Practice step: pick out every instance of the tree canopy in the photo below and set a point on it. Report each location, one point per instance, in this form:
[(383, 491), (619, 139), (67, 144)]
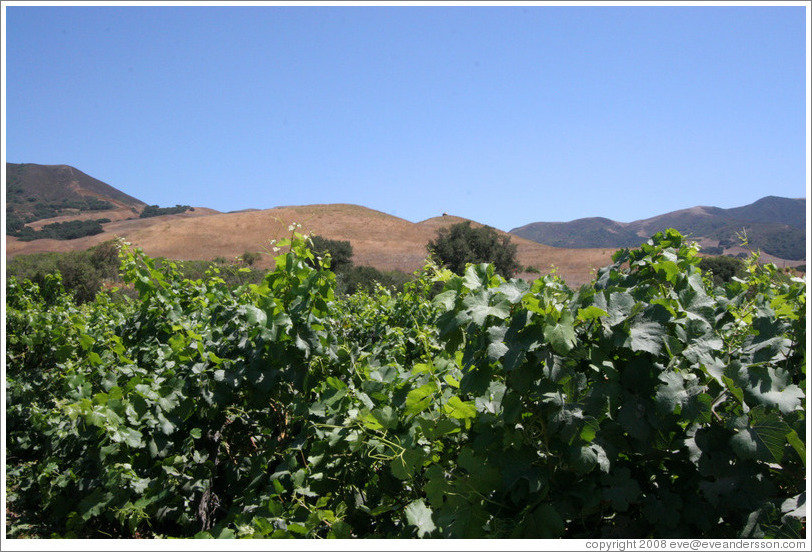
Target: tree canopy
[(460, 244), (340, 253)]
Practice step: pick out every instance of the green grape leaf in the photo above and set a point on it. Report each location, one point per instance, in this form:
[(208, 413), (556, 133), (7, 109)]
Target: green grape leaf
[(437, 486), (770, 387), (764, 439), (386, 416), (797, 444), (94, 503), (671, 393), (417, 400), (404, 465), (586, 458), (620, 305), (542, 523), (418, 515), (479, 308), (561, 335), (459, 409), (620, 489), (130, 436), (447, 299), (591, 313), (466, 521), (646, 336)]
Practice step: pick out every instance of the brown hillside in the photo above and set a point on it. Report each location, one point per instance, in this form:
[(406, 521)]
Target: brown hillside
[(380, 240)]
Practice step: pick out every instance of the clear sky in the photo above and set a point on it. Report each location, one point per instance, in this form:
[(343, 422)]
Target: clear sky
[(504, 114)]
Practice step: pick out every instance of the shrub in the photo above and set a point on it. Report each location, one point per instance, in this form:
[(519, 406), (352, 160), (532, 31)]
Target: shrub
[(250, 257)]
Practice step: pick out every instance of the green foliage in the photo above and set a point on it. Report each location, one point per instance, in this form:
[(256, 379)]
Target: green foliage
[(250, 257), (648, 403), (68, 230), (338, 251), (781, 241), (356, 278), (22, 209), (722, 268), (155, 211), (718, 250), (336, 255), (14, 224), (460, 244), (81, 273)]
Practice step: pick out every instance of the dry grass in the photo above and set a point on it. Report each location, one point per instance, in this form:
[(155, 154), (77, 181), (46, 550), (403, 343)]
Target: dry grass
[(380, 240)]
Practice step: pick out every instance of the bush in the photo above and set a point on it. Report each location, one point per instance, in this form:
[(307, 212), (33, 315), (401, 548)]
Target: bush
[(460, 244), (250, 257)]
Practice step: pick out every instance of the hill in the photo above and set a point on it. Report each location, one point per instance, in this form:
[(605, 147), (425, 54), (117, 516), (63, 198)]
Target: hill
[(36, 192), (775, 225), (380, 240), (62, 202)]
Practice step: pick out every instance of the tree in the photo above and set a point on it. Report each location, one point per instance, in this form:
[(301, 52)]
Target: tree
[(460, 244), (722, 268), (340, 253)]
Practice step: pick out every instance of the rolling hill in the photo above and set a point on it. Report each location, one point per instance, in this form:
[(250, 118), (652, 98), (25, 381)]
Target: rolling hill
[(775, 225), (378, 239)]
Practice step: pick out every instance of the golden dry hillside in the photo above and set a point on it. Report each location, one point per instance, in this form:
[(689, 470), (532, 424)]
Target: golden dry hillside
[(380, 240)]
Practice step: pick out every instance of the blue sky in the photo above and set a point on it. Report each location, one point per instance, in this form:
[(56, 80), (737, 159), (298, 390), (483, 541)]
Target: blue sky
[(506, 115)]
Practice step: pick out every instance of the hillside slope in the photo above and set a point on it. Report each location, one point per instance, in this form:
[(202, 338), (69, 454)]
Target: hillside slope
[(29, 187), (380, 240)]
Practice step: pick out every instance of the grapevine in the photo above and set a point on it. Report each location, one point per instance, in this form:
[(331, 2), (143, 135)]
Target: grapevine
[(648, 403)]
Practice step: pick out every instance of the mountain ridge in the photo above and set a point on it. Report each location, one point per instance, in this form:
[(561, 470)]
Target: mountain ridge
[(773, 224)]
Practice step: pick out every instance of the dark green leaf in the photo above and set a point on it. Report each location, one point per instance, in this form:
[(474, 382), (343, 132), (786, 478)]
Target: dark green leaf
[(542, 523), (646, 336), (764, 439)]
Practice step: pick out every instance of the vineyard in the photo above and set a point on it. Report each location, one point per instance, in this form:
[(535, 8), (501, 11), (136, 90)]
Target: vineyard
[(649, 402)]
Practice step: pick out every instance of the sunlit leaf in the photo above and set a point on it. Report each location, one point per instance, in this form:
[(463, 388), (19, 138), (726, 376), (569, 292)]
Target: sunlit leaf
[(418, 515)]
